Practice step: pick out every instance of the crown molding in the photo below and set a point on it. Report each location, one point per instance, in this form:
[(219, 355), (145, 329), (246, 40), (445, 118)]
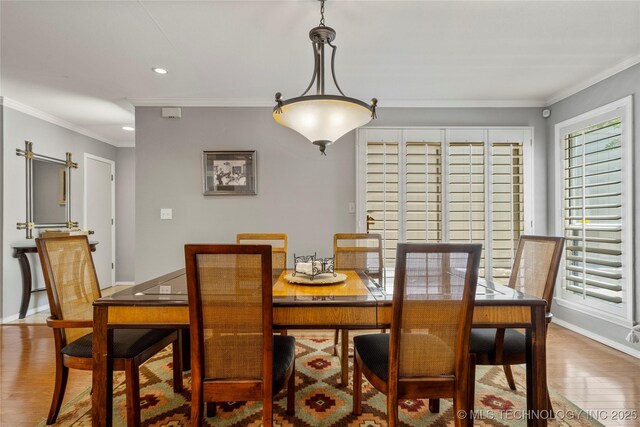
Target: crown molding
[(393, 103), (23, 108), (126, 145), (460, 103), (619, 67), (200, 102)]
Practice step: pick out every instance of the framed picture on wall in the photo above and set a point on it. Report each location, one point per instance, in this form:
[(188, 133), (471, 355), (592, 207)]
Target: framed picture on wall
[(229, 173)]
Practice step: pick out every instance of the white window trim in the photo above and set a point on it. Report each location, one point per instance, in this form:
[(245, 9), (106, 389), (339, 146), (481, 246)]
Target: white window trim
[(623, 315)]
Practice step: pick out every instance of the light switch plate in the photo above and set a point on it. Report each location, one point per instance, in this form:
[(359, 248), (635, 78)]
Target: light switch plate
[(352, 207), (166, 213)]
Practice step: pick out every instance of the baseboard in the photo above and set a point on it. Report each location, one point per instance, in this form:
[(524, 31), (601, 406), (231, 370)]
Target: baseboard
[(29, 313), (124, 284), (596, 337)]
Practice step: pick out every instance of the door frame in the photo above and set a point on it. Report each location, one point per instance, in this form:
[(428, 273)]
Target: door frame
[(112, 163)]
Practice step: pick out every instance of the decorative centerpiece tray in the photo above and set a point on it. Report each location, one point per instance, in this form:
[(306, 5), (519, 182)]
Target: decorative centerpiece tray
[(310, 270), (319, 279)]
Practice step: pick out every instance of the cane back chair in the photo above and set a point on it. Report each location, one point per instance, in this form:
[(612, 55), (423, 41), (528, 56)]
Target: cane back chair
[(427, 353), (534, 272), (234, 354), (278, 242), (72, 286), (354, 251)]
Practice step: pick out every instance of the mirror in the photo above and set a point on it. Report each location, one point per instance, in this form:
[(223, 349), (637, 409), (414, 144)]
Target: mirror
[(48, 190), (49, 195)]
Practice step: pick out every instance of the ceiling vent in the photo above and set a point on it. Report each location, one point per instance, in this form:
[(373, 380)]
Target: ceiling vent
[(171, 112)]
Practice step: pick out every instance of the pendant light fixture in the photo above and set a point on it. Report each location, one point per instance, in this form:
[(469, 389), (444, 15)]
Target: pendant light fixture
[(321, 118)]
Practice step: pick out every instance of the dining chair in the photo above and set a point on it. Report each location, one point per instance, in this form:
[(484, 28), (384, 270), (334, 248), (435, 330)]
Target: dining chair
[(354, 251), (426, 355), (72, 286), (278, 242), (234, 354), (279, 246), (534, 272)]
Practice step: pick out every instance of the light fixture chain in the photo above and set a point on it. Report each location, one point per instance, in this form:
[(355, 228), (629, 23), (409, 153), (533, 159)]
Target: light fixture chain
[(322, 13)]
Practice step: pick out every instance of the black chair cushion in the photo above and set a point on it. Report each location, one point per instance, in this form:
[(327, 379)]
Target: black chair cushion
[(374, 352), (127, 343), (483, 341), (284, 352)]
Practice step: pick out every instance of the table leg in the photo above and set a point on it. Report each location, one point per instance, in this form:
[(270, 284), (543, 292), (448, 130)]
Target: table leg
[(102, 390), (25, 269), (185, 345), (537, 410), (344, 358)]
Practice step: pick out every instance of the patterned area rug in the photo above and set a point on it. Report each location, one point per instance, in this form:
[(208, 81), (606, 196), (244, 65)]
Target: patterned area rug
[(320, 401)]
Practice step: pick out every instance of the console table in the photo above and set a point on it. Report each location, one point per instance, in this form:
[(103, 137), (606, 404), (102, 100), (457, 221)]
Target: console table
[(20, 251)]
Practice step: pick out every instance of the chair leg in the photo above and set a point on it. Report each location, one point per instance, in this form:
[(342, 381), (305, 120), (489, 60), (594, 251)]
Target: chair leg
[(178, 386), (471, 383), (392, 411), (509, 375), (434, 406), (550, 405), (357, 387), (210, 409), (132, 380), (267, 412), (196, 402), (471, 390), (344, 358), (62, 375), (336, 340), (291, 391)]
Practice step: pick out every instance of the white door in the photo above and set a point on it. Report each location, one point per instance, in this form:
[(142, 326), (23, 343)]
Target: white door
[(99, 215)]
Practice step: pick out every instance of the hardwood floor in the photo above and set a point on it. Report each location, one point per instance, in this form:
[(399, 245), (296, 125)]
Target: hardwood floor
[(594, 377), (591, 375)]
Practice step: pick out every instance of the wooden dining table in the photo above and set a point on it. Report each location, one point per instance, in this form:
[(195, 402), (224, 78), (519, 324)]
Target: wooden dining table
[(360, 302)]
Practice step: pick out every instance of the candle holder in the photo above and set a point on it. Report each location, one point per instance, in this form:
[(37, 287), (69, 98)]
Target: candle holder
[(311, 266)]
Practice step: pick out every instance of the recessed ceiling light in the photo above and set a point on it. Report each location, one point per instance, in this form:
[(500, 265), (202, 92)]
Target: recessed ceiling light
[(160, 70), (129, 128)]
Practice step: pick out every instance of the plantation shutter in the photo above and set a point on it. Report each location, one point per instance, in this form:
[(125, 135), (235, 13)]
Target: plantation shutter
[(459, 185), (507, 206), (466, 193), (382, 195), (592, 215), (423, 192)]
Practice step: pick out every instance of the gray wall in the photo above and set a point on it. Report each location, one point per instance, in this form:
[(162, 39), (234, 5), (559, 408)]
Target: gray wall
[(299, 192), (50, 140), (618, 86), (125, 213)]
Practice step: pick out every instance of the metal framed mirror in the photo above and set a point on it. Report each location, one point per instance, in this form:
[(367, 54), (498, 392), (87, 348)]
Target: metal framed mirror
[(48, 191)]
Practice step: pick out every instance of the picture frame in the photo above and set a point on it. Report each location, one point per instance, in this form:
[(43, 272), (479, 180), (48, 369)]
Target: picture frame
[(229, 173)]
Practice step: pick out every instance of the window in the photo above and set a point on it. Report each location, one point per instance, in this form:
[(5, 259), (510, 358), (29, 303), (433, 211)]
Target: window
[(446, 185), (595, 197)]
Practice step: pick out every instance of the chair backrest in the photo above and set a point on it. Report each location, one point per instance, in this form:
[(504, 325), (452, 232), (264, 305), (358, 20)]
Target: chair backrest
[(230, 314), (358, 251), (536, 265), (433, 298), (278, 242), (71, 280)]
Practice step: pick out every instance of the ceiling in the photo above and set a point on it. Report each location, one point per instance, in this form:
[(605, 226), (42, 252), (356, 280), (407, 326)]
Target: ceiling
[(88, 63)]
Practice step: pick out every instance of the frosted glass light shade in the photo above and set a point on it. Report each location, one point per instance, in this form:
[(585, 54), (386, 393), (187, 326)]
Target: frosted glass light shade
[(323, 117)]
